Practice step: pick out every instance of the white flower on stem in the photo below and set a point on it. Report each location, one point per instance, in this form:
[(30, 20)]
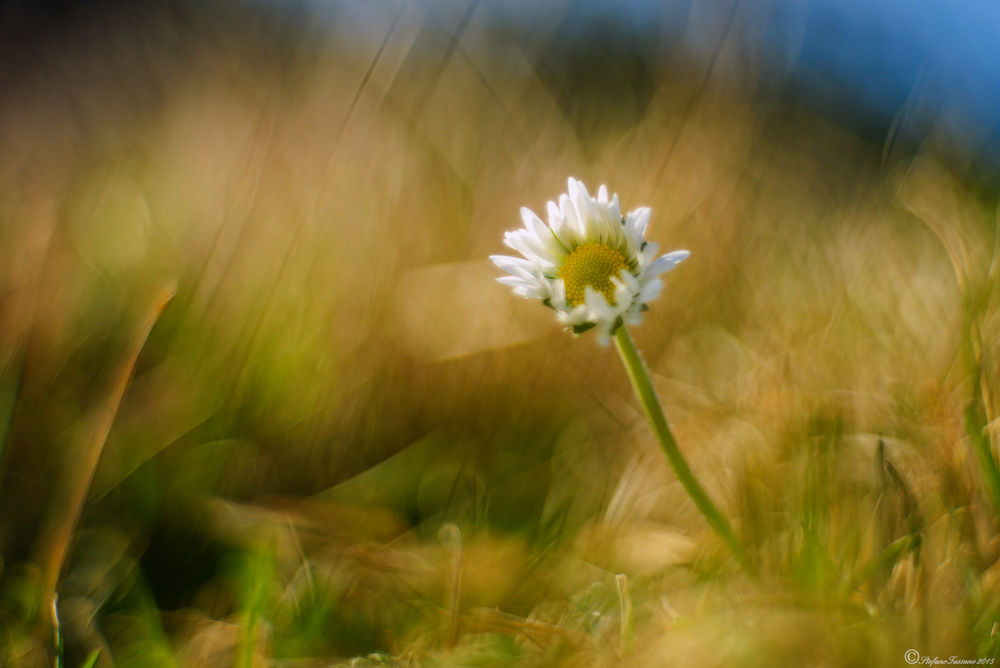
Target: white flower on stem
[(590, 264)]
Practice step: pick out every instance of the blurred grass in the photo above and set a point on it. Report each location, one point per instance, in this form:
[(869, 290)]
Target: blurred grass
[(344, 443)]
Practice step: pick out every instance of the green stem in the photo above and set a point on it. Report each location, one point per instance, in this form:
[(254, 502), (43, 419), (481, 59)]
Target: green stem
[(977, 418), (643, 385)]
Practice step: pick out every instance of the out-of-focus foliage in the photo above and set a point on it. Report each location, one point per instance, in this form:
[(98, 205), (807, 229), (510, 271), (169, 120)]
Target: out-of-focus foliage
[(343, 443)]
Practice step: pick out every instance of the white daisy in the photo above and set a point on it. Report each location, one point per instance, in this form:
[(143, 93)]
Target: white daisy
[(590, 264)]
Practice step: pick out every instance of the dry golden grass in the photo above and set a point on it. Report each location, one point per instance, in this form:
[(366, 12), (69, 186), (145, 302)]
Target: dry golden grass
[(345, 444)]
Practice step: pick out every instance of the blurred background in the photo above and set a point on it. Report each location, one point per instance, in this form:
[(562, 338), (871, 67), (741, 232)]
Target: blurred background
[(340, 442)]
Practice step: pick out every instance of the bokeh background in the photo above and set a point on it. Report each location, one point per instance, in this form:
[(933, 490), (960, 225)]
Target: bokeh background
[(340, 442)]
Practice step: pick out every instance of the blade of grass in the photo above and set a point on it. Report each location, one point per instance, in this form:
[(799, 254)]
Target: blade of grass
[(976, 415), (10, 380), (92, 659), (57, 639), (258, 580), (55, 543), (451, 536), (625, 605), (880, 562)]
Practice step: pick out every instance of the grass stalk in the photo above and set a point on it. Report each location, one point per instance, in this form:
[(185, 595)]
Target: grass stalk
[(976, 415), (625, 605), (57, 639), (55, 545), (451, 536)]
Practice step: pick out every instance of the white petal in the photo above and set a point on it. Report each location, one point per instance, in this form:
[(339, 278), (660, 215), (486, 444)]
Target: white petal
[(543, 233), (528, 245), (579, 315), (553, 210), (610, 221), (523, 288), (558, 291), (650, 291), (515, 265), (648, 254), (632, 317), (626, 277), (575, 316), (530, 237), (518, 282), (514, 241), (576, 188), (623, 298), (638, 221), (597, 306), (583, 204), (667, 262), (568, 212), (529, 217), (604, 334), (563, 233), (602, 193)]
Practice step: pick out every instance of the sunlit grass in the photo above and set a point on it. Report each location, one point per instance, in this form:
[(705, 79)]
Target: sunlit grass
[(345, 444)]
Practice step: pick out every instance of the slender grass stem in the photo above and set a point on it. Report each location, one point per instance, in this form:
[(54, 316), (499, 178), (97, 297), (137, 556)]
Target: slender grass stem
[(57, 639), (451, 536), (643, 386), (55, 543), (627, 635)]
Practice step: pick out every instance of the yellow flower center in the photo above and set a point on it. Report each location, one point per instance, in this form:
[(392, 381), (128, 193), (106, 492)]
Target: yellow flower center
[(591, 264)]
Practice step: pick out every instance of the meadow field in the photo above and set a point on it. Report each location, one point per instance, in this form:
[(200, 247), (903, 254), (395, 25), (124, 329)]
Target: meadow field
[(263, 403)]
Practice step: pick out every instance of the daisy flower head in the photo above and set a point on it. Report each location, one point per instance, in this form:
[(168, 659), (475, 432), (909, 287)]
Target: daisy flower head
[(590, 264)]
